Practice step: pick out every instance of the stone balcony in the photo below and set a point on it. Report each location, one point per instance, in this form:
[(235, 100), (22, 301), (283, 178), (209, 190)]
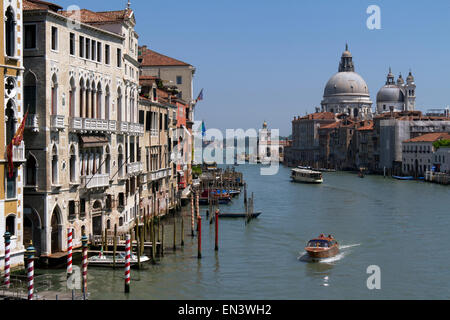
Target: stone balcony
[(85, 125), (159, 174), (95, 181), (18, 153), (57, 122), (32, 122), (135, 168), (135, 129)]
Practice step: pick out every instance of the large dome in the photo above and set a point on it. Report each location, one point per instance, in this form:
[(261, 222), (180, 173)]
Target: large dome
[(390, 93), (346, 83)]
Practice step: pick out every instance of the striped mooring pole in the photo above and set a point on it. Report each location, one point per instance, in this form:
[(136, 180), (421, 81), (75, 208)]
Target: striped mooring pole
[(69, 251), (127, 264), (84, 241), (7, 237), (30, 270), (192, 214)]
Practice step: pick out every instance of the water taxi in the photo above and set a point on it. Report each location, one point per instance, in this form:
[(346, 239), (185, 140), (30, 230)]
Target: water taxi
[(306, 176), (322, 247)]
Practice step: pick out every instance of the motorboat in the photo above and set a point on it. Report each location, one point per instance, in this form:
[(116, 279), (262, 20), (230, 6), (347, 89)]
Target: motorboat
[(322, 247), (306, 176), (106, 260)]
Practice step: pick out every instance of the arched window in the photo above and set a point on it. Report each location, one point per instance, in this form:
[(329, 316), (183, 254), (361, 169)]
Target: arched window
[(87, 92), (107, 161), (54, 95), (31, 171), (107, 99), (93, 94), (83, 230), (119, 105), (11, 224), (29, 92), (120, 162), (10, 32), (72, 165), (72, 90), (99, 101), (10, 121), (54, 165), (82, 89), (120, 221)]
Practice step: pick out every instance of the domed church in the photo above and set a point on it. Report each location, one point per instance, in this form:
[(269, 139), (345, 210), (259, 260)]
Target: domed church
[(397, 97), (347, 92)]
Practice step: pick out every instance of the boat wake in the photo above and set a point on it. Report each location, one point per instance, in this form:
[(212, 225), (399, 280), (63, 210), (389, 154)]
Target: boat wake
[(304, 257)]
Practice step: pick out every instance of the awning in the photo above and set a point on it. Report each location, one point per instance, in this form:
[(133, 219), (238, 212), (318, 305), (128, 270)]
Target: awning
[(93, 141)]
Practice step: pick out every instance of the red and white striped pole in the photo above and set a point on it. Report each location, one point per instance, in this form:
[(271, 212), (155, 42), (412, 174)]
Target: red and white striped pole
[(192, 214), (7, 237), (198, 204), (84, 241), (30, 270), (127, 263), (69, 251)]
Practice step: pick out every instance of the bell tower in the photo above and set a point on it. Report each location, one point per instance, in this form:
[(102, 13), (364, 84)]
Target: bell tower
[(410, 89)]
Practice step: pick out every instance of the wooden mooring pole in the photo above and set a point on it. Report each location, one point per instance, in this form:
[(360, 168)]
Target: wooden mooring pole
[(174, 233), (182, 231), (216, 248), (199, 236), (114, 246)]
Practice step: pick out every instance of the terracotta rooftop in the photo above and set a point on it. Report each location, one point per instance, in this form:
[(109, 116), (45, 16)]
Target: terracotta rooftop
[(317, 116), (153, 58), (29, 5), (91, 17), (430, 137), (366, 125)]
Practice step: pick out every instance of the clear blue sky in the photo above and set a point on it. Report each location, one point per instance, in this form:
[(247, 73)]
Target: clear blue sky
[(270, 60)]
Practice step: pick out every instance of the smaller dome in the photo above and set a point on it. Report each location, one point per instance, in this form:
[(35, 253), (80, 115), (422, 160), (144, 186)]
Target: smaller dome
[(390, 93), (400, 80), (347, 54)]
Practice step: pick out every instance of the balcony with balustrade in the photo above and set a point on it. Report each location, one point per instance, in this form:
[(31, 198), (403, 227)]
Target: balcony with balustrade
[(32, 122), (18, 153), (159, 174), (130, 128), (85, 125), (57, 123), (135, 168), (95, 181)]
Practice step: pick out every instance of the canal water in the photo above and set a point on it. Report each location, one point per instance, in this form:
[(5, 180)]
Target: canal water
[(401, 226)]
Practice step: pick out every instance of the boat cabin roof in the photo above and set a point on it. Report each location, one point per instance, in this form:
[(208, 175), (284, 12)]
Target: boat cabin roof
[(305, 171)]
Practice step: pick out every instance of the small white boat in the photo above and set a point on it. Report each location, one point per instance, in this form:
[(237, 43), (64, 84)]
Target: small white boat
[(106, 260), (306, 176)]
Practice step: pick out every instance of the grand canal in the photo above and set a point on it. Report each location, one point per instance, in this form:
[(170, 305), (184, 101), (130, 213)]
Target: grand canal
[(401, 226)]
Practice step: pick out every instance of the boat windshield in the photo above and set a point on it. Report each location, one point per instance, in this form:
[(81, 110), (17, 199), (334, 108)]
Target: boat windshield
[(318, 244)]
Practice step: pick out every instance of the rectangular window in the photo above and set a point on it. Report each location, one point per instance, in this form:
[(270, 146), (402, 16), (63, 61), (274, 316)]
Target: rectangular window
[(11, 187), (107, 54), (81, 47), (94, 50), (82, 207), (88, 48), (71, 209), (148, 121), (54, 38), (179, 80), (30, 36), (141, 116), (72, 44), (99, 52), (119, 58)]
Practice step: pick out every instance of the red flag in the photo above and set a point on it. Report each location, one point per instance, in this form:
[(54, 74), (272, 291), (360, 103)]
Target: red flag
[(16, 141)]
